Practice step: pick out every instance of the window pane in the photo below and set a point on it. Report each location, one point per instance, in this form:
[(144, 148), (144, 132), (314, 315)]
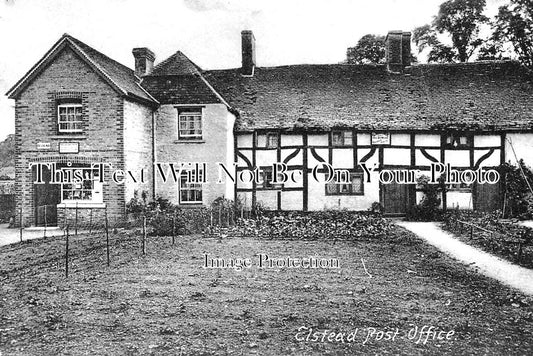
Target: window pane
[(357, 184)]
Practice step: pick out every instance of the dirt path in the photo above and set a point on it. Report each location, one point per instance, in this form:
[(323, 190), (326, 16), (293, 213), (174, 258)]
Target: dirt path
[(485, 263)]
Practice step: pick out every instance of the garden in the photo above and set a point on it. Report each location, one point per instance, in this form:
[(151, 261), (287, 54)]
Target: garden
[(165, 303)]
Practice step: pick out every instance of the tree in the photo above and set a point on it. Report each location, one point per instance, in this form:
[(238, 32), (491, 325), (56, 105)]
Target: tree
[(460, 20), (369, 49), (514, 24)]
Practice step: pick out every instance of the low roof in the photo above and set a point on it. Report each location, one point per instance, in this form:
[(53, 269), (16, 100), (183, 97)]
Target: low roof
[(120, 77), (475, 96), (178, 80)]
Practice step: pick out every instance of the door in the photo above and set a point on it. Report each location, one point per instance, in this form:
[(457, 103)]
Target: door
[(46, 196), (487, 197), (395, 198)]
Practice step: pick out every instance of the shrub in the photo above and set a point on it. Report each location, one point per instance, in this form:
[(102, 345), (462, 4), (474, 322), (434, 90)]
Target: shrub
[(428, 209), (517, 193)]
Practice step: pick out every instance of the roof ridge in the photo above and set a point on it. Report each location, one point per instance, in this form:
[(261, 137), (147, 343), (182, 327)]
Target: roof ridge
[(100, 53)]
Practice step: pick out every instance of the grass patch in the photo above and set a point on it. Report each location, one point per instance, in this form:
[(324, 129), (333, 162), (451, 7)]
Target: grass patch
[(166, 303)]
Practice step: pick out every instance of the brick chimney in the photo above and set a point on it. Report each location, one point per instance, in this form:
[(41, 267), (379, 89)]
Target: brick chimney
[(248, 52), (144, 61), (397, 50)]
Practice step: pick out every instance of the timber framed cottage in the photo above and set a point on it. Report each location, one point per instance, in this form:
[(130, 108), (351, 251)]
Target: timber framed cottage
[(77, 107)]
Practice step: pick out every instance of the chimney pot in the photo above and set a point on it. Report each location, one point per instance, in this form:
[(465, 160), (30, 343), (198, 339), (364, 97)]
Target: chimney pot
[(144, 61), (248, 52)]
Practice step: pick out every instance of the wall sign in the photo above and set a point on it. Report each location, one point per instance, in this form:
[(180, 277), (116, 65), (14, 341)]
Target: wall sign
[(43, 145), (69, 147), (380, 138)]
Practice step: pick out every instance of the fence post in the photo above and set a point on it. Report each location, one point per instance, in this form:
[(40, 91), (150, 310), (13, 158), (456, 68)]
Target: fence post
[(65, 220), (471, 231), (66, 253), (76, 221), (45, 222), (20, 223), (144, 236), (106, 235), (91, 219), (173, 227)]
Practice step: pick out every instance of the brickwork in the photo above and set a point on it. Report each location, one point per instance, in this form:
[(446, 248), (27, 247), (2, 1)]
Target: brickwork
[(68, 77)]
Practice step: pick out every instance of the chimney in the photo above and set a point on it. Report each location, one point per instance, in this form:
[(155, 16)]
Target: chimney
[(144, 61), (397, 50), (248, 53)]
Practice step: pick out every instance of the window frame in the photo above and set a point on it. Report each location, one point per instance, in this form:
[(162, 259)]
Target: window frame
[(350, 191), (96, 186), (273, 135), (456, 137), (267, 184), (193, 188), (190, 112), (67, 105), (344, 142)]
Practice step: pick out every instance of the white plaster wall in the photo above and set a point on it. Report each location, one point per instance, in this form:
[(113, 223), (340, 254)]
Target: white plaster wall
[(291, 140), (342, 158), (421, 160), (427, 140), (397, 156), (457, 158), (244, 140), (400, 139), (268, 198), (487, 140), (317, 139), (492, 160), (363, 139), (292, 201), (296, 160)]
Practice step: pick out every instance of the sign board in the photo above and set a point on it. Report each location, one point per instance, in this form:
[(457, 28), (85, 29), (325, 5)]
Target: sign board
[(380, 138), (69, 147), (43, 145)]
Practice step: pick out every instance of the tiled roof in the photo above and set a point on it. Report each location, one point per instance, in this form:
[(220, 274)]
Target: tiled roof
[(123, 76), (179, 89), (481, 95), (177, 80), (120, 77), (177, 64)]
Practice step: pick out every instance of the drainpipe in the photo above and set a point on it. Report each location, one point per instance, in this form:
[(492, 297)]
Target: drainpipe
[(154, 158)]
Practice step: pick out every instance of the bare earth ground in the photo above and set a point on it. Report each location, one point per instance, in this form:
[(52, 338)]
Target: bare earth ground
[(166, 303)]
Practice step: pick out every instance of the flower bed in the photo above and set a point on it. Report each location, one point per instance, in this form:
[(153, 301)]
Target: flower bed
[(487, 231), (312, 226)]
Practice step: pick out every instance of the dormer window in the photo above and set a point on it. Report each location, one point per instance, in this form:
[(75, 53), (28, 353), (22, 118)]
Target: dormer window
[(69, 117), (342, 138), (190, 124)]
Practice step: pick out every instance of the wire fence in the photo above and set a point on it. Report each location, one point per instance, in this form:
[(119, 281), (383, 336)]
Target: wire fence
[(71, 232), (78, 232)]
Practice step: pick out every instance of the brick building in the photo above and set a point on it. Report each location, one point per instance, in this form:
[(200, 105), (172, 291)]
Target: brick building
[(77, 107)]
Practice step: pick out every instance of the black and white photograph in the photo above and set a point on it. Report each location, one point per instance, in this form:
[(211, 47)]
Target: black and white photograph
[(266, 177)]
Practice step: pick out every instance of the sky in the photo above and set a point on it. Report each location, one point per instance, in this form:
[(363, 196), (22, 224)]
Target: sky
[(207, 31)]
